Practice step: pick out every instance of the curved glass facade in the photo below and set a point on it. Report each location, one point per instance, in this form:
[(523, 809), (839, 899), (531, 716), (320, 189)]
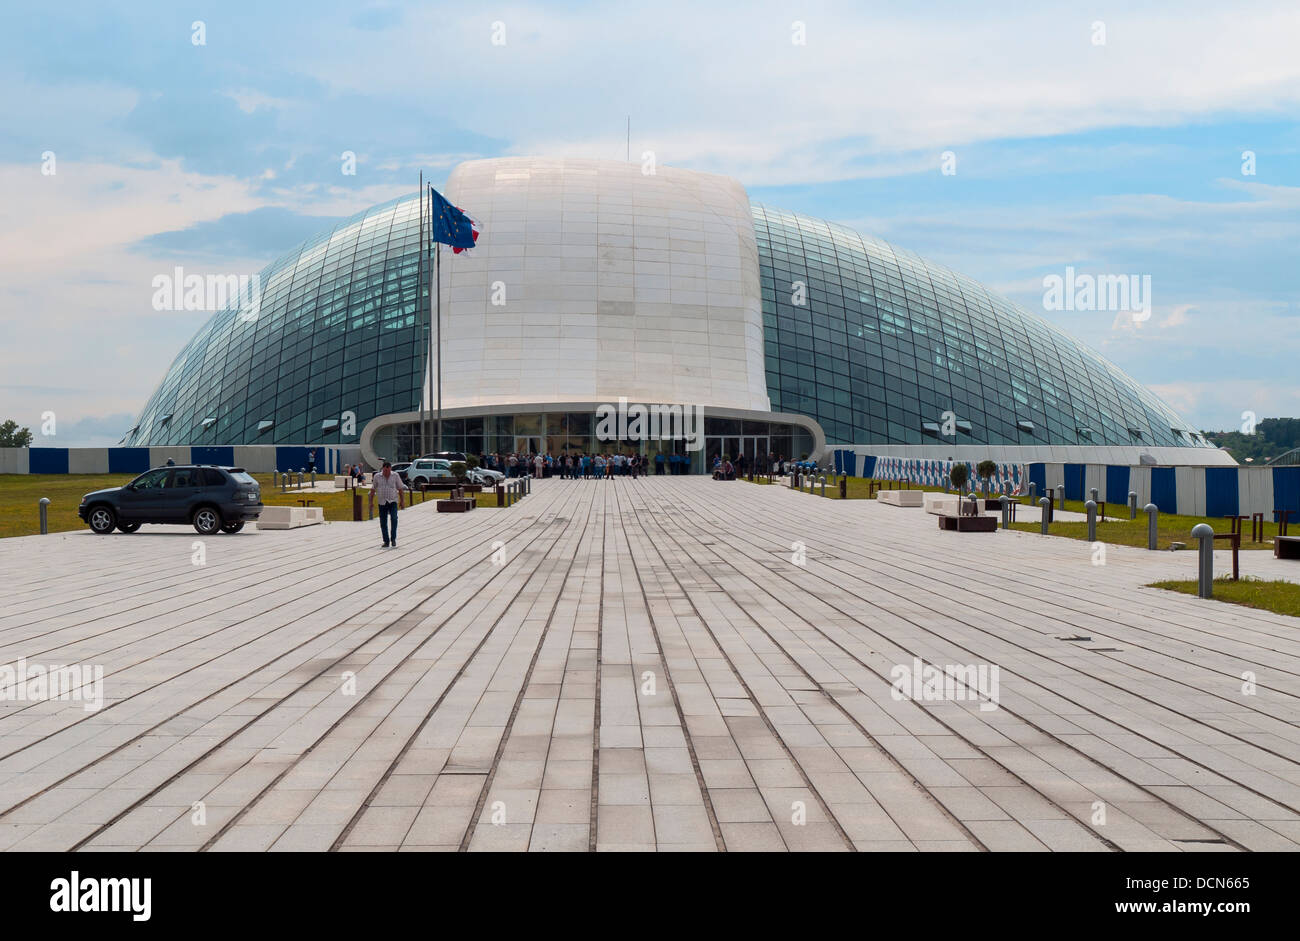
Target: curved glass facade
[(336, 332), (881, 346), (886, 342)]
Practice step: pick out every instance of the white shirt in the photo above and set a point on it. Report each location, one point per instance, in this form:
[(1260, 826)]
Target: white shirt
[(386, 489)]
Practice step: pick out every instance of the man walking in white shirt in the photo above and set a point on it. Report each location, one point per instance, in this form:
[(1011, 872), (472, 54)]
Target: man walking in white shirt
[(389, 489)]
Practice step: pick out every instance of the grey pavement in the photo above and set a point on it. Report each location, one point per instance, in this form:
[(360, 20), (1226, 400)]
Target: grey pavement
[(659, 664)]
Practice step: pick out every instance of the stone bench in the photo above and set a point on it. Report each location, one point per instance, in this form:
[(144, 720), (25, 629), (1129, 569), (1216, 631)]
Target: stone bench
[(457, 505), (968, 524), (1286, 547), (940, 504), (289, 517), (900, 497)]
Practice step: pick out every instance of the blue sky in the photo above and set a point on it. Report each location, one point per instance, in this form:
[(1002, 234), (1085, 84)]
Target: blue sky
[(1116, 158)]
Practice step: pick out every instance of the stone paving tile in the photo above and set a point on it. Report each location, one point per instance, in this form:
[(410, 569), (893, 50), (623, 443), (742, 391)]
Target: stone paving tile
[(647, 671)]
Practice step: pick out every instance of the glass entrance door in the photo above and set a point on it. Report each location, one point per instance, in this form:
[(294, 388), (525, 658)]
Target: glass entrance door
[(755, 448), (530, 444)]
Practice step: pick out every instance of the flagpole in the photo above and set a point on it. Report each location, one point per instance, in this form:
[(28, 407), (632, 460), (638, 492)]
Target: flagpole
[(437, 274), (419, 289)]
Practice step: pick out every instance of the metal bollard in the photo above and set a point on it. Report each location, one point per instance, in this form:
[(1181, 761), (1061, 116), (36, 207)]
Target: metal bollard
[(1091, 507), (1046, 504), (313, 480), (822, 480), (1005, 502), (299, 480), (1093, 494), (844, 487), (1153, 523), (1205, 533), (1061, 490), (1132, 505), (45, 519), (1033, 492)]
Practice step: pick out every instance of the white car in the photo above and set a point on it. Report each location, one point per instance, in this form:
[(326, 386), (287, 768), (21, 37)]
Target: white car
[(485, 476), (429, 470)]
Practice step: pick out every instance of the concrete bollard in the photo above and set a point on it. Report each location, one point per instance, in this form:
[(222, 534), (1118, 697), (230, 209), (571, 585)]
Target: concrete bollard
[(1005, 502), (45, 516), (1153, 524), (1132, 505), (1046, 504), (1205, 533), (1091, 507)]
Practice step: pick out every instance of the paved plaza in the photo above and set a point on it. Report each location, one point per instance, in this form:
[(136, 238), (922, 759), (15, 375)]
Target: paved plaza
[(665, 663)]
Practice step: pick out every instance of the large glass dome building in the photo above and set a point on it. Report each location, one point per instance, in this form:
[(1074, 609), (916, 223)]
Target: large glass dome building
[(593, 282)]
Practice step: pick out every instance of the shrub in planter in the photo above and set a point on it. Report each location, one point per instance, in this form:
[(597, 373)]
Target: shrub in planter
[(958, 476), (986, 470), (458, 470)]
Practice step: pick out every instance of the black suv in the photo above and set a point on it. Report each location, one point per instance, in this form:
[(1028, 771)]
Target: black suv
[(213, 499)]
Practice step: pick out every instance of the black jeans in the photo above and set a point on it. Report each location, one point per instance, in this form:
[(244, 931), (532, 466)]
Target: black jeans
[(387, 510)]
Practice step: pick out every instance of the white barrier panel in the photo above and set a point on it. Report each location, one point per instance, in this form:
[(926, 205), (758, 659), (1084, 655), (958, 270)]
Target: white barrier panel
[(87, 460), (14, 460)]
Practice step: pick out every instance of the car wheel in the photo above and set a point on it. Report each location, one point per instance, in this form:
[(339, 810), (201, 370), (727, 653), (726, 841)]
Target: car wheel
[(127, 527), (102, 519), (233, 527), (207, 520)]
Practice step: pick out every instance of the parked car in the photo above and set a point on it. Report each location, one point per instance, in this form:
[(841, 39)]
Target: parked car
[(484, 476), (400, 469), (211, 499), (448, 456), (427, 470)]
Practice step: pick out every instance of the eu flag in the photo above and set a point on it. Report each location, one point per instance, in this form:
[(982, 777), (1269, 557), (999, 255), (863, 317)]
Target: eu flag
[(449, 225)]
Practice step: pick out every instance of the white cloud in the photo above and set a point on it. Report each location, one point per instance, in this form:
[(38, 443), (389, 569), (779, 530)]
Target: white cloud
[(250, 100), (721, 87)]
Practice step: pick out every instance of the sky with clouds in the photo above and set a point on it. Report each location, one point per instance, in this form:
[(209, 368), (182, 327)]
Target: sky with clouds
[(1115, 157)]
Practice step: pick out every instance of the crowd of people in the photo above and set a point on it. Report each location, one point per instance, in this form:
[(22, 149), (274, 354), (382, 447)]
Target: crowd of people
[(723, 468), (582, 466)]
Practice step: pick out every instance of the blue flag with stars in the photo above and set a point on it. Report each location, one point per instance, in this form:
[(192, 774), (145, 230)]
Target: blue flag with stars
[(449, 225)]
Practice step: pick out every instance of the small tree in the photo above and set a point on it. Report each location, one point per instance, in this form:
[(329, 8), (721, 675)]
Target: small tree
[(11, 436), (986, 470), (958, 476), (458, 470)]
